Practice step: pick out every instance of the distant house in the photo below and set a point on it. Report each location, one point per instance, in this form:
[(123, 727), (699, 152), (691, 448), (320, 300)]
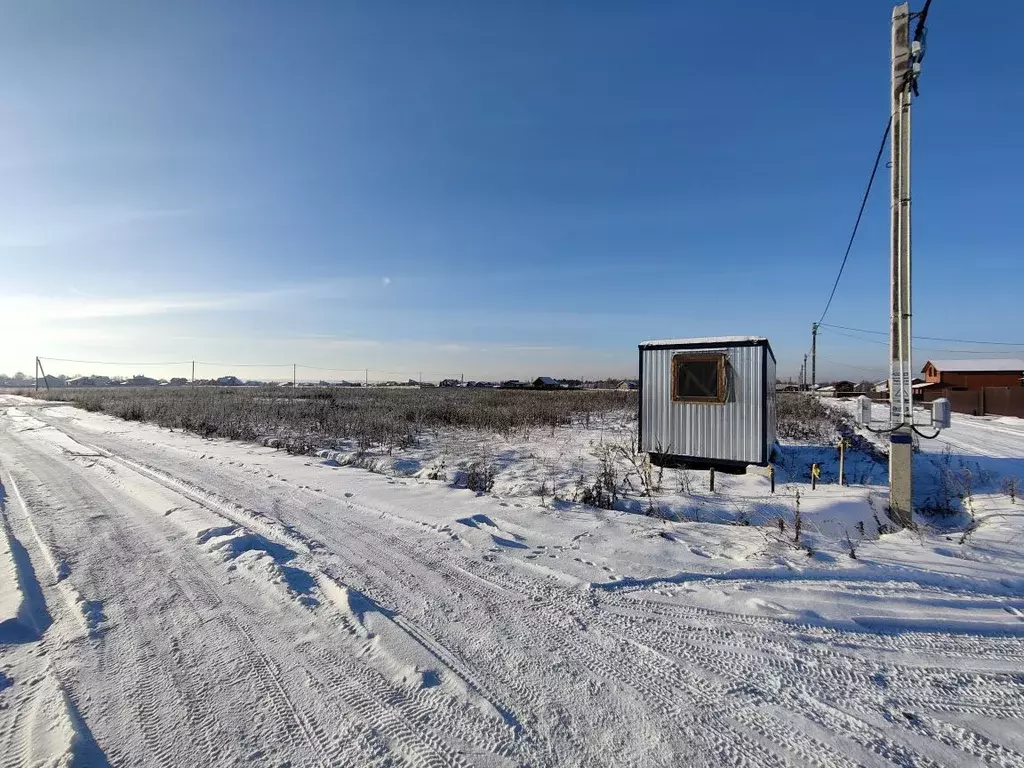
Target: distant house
[(89, 381), (975, 374), (546, 382), (449, 382), (140, 381), (882, 387), (628, 386), (228, 381), (177, 381), (510, 384)]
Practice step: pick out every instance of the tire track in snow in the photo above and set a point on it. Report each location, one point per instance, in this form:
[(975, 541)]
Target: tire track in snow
[(143, 676), (246, 518), (43, 724), (144, 682), (834, 684), (432, 752), (712, 654), (631, 673), (390, 726), (991, 693), (385, 546), (555, 625), (1008, 649), (865, 734)]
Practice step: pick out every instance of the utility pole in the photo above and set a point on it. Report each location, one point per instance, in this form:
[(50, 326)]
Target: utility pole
[(193, 373), (901, 406), (39, 366), (366, 377), (814, 355), (295, 381), (803, 374)]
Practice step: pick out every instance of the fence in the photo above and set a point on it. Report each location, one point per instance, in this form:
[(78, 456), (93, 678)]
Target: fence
[(994, 401)]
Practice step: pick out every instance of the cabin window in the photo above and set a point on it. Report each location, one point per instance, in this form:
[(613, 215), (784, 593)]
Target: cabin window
[(698, 378)]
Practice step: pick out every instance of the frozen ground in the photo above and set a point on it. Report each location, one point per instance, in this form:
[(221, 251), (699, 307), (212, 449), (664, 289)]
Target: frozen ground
[(168, 600)]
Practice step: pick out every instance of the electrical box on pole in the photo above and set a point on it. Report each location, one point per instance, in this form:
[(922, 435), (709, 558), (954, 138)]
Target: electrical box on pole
[(862, 410)]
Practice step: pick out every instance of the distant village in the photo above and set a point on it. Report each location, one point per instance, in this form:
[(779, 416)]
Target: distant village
[(541, 382)]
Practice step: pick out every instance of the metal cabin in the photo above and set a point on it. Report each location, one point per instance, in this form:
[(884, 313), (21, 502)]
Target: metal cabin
[(708, 401)]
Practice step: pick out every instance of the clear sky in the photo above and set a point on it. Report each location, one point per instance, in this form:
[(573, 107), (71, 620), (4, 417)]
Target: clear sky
[(491, 188)]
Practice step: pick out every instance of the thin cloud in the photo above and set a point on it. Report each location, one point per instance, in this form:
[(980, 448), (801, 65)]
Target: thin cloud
[(69, 226), (85, 308)]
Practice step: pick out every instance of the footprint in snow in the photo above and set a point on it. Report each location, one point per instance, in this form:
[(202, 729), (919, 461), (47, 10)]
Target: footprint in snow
[(349, 495)]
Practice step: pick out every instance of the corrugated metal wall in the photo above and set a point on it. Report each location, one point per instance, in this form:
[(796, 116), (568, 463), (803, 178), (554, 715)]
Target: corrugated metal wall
[(730, 431)]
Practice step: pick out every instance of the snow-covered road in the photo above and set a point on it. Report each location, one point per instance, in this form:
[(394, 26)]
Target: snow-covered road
[(168, 601)]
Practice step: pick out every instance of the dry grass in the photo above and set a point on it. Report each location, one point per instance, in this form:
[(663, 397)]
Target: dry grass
[(803, 417), (307, 419)]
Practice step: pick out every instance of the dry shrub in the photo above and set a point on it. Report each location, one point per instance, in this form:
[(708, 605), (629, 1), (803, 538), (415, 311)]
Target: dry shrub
[(800, 416), (310, 418)]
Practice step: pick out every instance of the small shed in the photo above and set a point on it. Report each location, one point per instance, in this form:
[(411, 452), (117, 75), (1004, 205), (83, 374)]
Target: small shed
[(707, 400)]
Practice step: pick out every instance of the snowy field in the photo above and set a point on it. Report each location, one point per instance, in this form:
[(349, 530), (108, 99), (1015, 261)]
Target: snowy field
[(168, 600)]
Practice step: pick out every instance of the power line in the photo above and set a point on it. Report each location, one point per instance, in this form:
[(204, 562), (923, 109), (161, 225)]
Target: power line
[(245, 365), (929, 338), (332, 370), (109, 362), (209, 363), (847, 365), (860, 214), (916, 348)]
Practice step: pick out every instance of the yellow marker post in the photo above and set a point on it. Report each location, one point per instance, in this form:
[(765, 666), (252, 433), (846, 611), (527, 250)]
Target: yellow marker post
[(815, 474)]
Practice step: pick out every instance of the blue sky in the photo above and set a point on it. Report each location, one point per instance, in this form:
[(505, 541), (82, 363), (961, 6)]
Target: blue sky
[(495, 189)]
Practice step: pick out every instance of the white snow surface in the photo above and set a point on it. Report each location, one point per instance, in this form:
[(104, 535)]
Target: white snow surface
[(169, 600), (703, 340)]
